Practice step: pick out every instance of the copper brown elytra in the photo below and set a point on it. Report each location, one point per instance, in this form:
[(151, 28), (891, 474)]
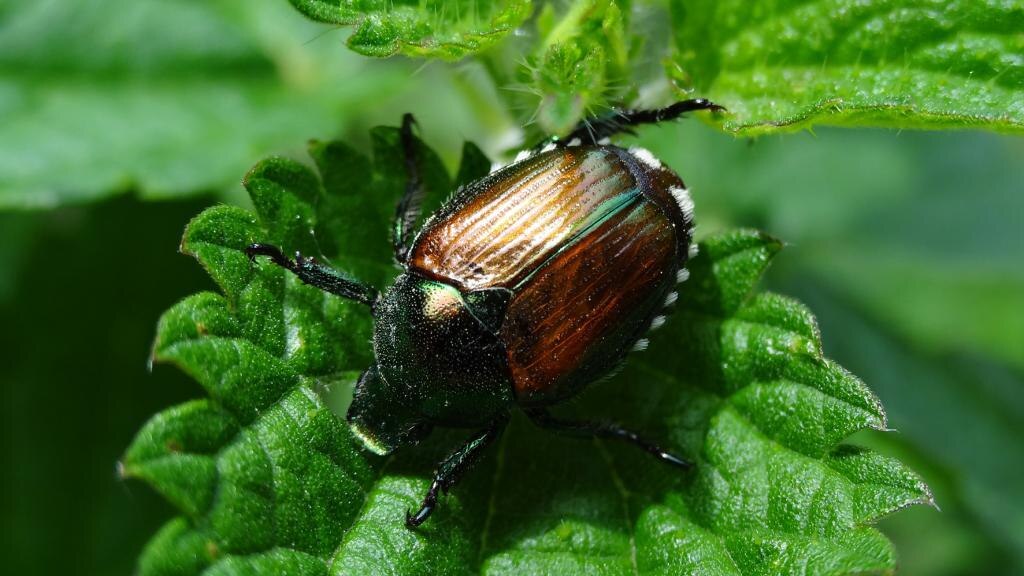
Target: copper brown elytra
[(525, 287)]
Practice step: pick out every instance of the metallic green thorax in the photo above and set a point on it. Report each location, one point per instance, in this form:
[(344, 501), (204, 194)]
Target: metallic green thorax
[(437, 363)]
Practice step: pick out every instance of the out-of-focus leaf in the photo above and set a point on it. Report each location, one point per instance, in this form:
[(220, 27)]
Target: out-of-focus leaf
[(925, 230), (18, 234), (97, 276), (267, 479), (942, 266), (802, 187), (581, 63), (789, 64), (942, 304), (164, 98), (437, 29), (576, 60)]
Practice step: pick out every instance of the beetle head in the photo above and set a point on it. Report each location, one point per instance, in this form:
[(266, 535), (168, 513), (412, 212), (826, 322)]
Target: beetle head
[(436, 362), (380, 419)]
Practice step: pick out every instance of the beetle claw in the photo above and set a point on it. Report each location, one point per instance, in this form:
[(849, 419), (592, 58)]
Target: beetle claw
[(412, 521), (251, 252), (713, 107), (258, 249)]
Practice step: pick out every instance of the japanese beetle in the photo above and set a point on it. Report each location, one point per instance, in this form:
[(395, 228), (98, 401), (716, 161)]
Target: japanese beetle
[(525, 287)]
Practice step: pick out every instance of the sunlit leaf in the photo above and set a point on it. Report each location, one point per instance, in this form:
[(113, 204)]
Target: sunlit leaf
[(165, 99), (790, 64), (448, 30), (268, 479)]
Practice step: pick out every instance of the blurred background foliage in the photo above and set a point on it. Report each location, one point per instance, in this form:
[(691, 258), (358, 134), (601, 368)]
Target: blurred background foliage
[(909, 246)]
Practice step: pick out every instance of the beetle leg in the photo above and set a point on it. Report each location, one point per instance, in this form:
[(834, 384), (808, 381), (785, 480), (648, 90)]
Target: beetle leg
[(452, 468), (544, 419), (315, 274), (408, 209), (593, 130)]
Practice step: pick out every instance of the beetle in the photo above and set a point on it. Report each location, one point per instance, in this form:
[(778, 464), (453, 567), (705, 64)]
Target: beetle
[(525, 287)]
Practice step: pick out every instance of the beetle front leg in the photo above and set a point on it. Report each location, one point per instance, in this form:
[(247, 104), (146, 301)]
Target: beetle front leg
[(594, 130), (408, 209), (315, 274), (452, 468), (579, 429)]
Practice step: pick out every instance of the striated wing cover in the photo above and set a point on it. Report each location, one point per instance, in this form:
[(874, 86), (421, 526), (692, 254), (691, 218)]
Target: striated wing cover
[(583, 311), (588, 255), (503, 227)]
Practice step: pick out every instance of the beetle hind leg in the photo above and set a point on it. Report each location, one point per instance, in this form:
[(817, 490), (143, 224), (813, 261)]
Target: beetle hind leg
[(584, 429), (594, 130), (452, 468)]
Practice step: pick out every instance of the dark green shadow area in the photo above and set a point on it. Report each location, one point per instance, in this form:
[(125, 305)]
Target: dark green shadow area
[(80, 295)]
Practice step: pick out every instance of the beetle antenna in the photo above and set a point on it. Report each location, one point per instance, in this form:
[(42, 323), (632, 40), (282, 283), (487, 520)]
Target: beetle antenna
[(315, 274)]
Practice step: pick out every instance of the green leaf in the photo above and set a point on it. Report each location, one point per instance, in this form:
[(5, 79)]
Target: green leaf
[(933, 214), (925, 392), (910, 262), (268, 479), (956, 305), (790, 64), (964, 283), (582, 55), (166, 99), (448, 30)]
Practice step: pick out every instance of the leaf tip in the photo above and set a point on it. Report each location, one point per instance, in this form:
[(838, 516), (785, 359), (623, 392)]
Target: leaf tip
[(925, 498), (183, 243), (261, 168), (772, 244)]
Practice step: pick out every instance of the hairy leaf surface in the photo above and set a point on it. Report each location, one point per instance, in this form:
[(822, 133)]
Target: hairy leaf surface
[(448, 30), (268, 479), (789, 64)]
